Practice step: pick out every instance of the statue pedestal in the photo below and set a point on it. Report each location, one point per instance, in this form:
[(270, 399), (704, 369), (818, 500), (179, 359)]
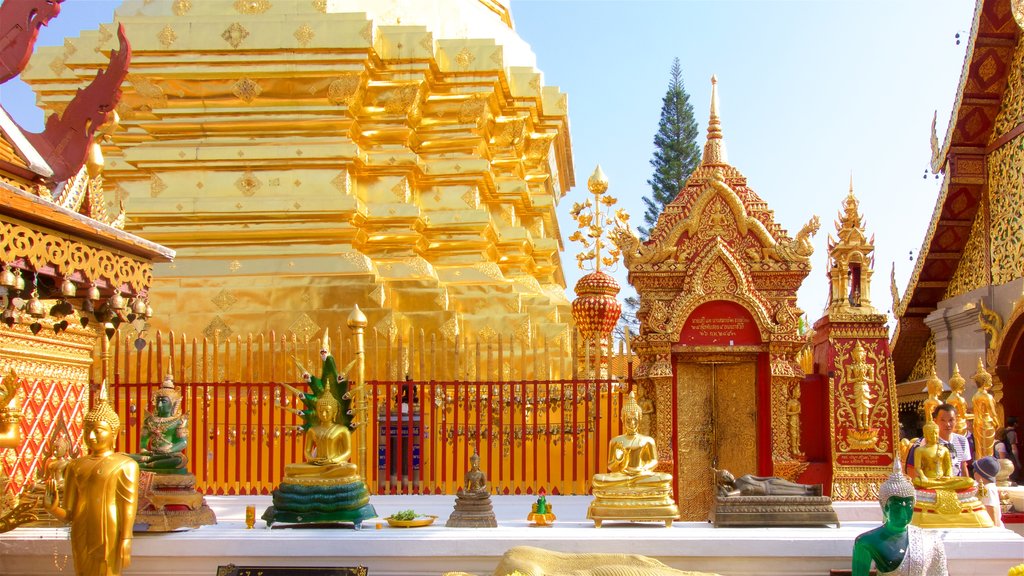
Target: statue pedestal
[(308, 504), (169, 502), (631, 505), (943, 508), (773, 511), (472, 510)]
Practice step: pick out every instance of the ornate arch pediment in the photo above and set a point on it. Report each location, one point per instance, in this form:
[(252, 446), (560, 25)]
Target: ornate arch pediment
[(718, 276), (716, 187)]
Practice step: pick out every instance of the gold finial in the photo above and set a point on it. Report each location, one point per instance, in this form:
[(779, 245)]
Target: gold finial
[(598, 182), (595, 222), (325, 342), (103, 412), (356, 318), (714, 148), (851, 182)]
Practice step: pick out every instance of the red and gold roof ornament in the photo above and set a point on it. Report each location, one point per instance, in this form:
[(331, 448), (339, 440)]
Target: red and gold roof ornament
[(596, 308)]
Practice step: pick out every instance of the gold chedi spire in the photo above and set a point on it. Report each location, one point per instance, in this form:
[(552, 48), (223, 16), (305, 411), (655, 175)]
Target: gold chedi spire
[(714, 148)]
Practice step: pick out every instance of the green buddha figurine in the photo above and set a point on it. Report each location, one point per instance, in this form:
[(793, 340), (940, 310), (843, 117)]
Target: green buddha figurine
[(897, 548), (164, 433), (326, 487)]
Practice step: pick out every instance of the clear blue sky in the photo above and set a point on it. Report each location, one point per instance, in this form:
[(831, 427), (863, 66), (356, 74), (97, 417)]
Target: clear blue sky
[(810, 91)]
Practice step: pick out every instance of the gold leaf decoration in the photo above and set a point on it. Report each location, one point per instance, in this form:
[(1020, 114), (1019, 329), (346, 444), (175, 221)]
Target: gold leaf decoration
[(304, 34), (248, 183), (167, 36), (464, 58), (156, 186), (235, 34), (342, 89), (246, 90), (181, 7), (252, 6)]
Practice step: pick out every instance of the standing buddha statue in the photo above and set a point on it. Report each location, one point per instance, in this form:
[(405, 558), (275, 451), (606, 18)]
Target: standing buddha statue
[(956, 398), (896, 547), (632, 489), (933, 386), (986, 420), (793, 415), (100, 497)]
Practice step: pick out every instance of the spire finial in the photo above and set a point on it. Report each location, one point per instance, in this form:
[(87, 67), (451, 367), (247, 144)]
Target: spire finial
[(714, 148), (851, 182)]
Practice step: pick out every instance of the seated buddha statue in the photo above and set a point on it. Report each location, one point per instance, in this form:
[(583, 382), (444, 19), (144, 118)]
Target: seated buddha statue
[(327, 447), (476, 480), (164, 433), (632, 489), (933, 465), (898, 548), (632, 456)]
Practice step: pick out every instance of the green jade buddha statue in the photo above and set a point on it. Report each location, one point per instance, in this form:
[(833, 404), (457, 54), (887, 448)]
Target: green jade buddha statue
[(897, 548), (164, 433)]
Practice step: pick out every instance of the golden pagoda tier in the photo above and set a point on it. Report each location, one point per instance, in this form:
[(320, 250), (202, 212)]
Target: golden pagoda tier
[(405, 156)]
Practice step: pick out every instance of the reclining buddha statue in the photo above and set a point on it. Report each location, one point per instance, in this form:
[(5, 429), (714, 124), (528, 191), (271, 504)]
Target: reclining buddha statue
[(632, 489)]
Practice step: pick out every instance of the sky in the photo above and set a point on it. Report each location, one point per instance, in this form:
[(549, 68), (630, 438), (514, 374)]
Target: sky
[(810, 93)]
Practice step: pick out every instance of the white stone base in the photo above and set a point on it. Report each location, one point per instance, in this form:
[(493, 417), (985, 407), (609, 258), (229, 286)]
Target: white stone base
[(436, 549)]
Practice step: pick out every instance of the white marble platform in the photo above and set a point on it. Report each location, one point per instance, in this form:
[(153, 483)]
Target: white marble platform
[(436, 549)]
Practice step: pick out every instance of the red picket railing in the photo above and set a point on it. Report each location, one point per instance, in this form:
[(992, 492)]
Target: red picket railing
[(531, 435)]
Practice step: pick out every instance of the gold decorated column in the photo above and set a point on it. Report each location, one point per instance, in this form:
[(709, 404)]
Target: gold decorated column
[(357, 323)]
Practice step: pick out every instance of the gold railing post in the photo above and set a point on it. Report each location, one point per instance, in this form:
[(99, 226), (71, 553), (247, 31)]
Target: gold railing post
[(357, 323)]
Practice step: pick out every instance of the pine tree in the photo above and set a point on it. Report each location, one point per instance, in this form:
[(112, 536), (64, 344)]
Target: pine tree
[(676, 154)]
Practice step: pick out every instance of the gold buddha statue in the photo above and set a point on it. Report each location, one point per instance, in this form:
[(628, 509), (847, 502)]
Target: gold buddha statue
[(933, 386), (862, 376), (632, 490), (944, 500), (327, 448), (100, 497), (933, 465), (986, 420), (957, 383)]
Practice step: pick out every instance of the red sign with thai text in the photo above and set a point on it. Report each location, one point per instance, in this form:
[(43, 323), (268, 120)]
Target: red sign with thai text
[(720, 323)]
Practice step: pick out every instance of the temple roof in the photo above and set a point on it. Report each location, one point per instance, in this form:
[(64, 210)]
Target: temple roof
[(969, 138)]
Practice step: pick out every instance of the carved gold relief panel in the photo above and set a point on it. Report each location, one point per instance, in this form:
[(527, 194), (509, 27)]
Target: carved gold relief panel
[(972, 272)]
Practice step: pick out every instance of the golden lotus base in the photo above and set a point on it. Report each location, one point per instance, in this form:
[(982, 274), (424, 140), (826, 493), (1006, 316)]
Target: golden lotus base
[(942, 508), (660, 510), (170, 502)]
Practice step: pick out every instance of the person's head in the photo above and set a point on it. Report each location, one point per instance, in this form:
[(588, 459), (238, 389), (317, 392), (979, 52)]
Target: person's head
[(986, 469), (1011, 421), (945, 416)]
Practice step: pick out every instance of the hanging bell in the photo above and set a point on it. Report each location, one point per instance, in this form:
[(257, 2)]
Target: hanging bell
[(35, 307), (93, 293), (19, 281), (7, 278), (149, 311), (139, 307), (116, 302), (68, 288)]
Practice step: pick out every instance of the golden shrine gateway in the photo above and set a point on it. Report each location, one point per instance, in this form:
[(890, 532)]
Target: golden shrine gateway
[(733, 378)]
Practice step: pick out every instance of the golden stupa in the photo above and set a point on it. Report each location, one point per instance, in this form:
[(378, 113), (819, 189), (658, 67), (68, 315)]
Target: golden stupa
[(303, 156)]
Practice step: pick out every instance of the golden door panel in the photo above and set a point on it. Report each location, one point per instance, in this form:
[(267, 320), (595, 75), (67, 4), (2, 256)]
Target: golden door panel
[(708, 394)]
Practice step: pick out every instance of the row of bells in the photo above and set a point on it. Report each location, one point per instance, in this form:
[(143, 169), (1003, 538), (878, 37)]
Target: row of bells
[(14, 282)]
